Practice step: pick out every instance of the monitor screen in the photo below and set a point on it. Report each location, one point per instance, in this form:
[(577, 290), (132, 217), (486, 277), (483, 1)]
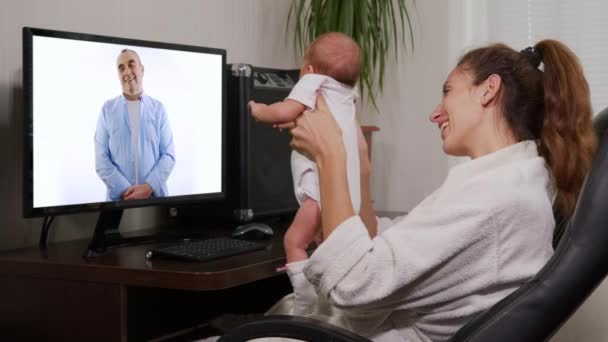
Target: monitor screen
[(113, 122)]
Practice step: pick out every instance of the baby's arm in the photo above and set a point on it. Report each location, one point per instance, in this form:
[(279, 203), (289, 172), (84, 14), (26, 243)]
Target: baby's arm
[(278, 112)]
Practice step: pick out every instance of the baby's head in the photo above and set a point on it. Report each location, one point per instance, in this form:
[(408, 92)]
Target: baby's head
[(336, 55)]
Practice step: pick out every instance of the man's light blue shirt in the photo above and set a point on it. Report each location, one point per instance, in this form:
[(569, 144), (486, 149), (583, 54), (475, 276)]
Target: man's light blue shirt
[(114, 160)]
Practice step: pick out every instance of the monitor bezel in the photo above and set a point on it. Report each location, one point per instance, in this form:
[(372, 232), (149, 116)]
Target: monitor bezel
[(29, 210)]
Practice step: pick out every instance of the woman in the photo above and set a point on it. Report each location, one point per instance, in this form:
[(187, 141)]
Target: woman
[(483, 233)]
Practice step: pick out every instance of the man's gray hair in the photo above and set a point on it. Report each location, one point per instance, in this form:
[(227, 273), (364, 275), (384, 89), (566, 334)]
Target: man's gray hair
[(133, 51)]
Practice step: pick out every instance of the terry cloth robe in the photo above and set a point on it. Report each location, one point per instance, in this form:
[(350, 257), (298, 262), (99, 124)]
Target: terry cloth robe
[(480, 236)]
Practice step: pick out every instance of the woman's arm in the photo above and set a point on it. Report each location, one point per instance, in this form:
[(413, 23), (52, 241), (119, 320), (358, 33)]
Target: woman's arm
[(366, 212), (318, 136)]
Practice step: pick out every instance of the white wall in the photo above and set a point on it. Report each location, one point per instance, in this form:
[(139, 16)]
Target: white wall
[(408, 162), (407, 159)]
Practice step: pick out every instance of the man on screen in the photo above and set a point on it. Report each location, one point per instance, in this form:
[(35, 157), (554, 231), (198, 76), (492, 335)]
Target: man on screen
[(134, 152)]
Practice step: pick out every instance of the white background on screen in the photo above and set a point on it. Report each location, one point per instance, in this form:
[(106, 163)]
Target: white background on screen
[(72, 80)]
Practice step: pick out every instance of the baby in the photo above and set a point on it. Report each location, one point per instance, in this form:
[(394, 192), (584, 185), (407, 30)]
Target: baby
[(330, 68)]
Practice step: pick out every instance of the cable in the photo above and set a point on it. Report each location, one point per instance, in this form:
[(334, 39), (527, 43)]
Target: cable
[(44, 232)]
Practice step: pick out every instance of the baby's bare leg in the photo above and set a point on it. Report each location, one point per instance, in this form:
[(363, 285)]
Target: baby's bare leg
[(303, 230)]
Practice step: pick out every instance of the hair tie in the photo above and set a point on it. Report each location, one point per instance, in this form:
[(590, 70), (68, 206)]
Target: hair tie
[(533, 55)]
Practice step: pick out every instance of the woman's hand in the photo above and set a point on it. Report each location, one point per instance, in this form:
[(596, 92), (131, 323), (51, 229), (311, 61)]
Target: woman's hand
[(287, 125), (317, 134)]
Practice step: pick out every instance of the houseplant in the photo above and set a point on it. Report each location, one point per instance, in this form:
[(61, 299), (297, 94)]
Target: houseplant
[(374, 24)]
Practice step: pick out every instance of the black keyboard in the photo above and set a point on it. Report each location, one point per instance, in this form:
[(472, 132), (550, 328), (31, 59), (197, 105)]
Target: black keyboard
[(206, 249)]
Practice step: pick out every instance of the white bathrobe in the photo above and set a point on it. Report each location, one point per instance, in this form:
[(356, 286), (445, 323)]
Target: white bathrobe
[(480, 236)]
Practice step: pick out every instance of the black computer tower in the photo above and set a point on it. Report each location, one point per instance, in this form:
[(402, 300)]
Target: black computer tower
[(259, 183), (259, 174)]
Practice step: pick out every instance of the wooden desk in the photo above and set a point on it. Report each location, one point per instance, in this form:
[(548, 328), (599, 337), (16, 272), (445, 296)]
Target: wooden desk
[(58, 295)]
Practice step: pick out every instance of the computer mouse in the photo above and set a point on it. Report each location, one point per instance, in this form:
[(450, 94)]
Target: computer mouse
[(253, 231)]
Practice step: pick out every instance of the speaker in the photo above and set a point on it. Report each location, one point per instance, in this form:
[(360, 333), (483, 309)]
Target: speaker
[(259, 173)]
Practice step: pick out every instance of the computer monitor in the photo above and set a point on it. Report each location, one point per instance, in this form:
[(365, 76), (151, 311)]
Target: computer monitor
[(93, 142)]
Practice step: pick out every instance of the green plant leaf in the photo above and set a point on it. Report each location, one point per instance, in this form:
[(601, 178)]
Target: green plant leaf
[(373, 25)]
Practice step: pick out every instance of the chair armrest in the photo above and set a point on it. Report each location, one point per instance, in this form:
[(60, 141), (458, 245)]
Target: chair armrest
[(301, 328)]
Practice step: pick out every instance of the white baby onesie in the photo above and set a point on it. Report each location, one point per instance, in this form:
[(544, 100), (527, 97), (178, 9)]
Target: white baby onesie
[(340, 99)]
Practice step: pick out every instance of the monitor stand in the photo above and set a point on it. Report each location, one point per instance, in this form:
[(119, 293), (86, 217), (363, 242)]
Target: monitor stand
[(107, 234)]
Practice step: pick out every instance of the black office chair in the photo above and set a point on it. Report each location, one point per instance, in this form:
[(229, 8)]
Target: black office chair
[(532, 313)]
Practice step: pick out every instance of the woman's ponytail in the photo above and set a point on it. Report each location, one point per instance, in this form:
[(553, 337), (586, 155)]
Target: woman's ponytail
[(567, 139)]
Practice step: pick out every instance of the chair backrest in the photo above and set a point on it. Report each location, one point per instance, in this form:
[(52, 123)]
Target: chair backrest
[(537, 310)]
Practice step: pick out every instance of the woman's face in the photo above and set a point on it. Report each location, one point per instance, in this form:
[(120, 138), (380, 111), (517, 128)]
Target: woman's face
[(459, 115)]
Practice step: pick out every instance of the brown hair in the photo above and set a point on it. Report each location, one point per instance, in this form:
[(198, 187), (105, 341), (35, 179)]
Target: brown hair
[(336, 55), (551, 106)]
